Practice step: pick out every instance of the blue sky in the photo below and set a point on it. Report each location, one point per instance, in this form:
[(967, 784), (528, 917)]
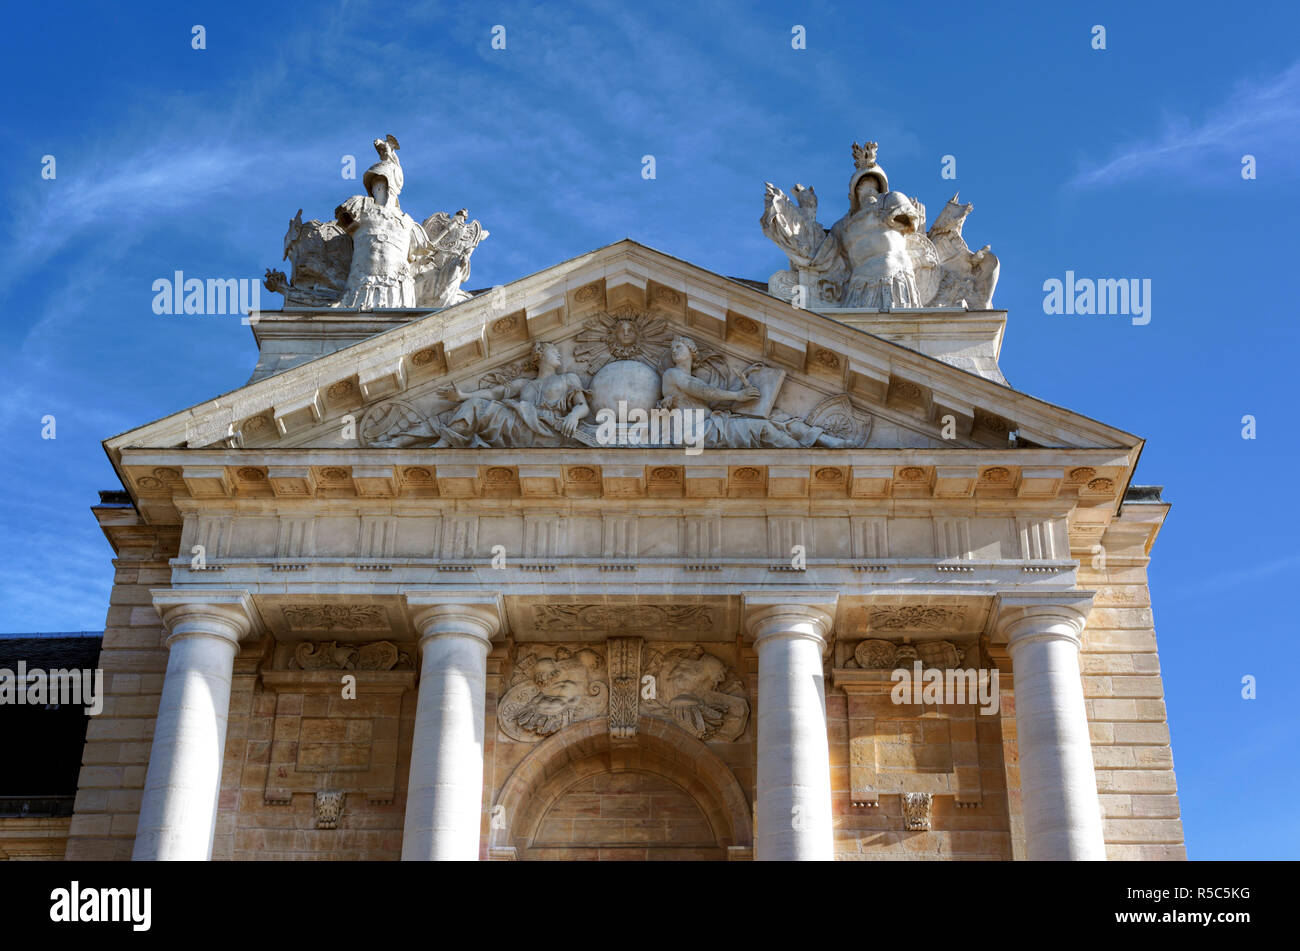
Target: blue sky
[(1123, 162)]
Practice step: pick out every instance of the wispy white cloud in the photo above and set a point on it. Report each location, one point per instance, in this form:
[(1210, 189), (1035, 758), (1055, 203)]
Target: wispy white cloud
[(1260, 114), (1241, 578)]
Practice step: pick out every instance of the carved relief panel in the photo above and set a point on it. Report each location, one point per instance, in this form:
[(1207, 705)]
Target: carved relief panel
[(917, 749), (327, 741), (552, 686), (698, 691)]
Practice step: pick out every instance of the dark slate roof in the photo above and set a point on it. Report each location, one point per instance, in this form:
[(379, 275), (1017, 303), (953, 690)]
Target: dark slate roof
[(51, 651), (41, 755)]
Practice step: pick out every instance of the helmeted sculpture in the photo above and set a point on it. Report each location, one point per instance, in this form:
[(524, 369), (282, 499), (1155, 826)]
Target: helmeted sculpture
[(373, 255), (878, 256), (385, 240)]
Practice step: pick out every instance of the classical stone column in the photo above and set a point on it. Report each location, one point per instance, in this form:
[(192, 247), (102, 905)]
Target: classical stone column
[(1058, 785), (794, 775), (444, 797), (178, 810)]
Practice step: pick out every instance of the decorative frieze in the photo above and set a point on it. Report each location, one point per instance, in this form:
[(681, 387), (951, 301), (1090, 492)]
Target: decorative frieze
[(875, 654), (920, 617), (577, 617), (331, 655), (553, 686), (335, 617)]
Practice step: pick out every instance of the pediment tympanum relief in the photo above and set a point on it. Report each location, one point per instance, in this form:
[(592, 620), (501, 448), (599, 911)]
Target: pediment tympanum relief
[(628, 378)]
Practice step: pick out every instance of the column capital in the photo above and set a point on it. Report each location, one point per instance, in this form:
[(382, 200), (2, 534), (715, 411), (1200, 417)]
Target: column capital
[(808, 614), (458, 613), (1024, 616), (227, 614)]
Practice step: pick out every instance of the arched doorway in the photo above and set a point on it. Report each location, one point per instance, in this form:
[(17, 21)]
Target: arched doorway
[(663, 795)]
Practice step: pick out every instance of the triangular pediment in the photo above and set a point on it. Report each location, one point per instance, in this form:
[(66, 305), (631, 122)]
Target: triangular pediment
[(624, 303), (822, 385)]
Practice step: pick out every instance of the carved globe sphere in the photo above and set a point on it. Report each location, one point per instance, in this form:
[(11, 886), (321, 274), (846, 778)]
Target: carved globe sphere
[(628, 381)]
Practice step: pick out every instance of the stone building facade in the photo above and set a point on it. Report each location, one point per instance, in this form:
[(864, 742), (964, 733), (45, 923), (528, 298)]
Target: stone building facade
[(322, 644), (628, 560)]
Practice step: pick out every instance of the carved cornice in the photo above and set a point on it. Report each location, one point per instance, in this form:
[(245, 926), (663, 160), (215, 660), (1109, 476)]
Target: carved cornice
[(307, 475)]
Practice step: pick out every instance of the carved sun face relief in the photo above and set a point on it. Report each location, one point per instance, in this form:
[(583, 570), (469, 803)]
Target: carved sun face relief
[(624, 334)]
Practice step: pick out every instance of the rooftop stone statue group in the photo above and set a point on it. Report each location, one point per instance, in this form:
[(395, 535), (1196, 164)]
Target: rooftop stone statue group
[(373, 255), (878, 256)]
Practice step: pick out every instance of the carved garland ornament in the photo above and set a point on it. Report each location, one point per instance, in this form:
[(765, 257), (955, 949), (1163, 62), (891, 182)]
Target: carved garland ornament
[(835, 415), (915, 617), (876, 654), (331, 655), (329, 617), (587, 294), (572, 617)]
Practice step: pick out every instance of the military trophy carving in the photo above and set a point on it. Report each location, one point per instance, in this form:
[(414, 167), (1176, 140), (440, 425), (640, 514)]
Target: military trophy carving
[(699, 692), (878, 256), (551, 688), (373, 255)]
